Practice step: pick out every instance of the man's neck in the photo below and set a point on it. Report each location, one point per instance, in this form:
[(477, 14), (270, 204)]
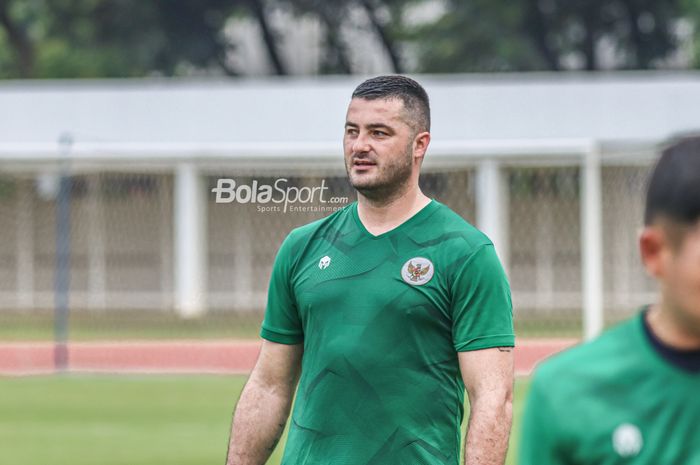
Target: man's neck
[(379, 218), (670, 330)]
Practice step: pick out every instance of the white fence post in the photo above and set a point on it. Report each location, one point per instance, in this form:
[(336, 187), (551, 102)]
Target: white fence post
[(492, 207), (165, 199), (25, 245), (97, 267), (190, 241), (591, 243)]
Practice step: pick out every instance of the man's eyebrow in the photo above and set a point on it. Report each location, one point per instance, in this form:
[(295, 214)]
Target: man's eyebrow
[(379, 126), (369, 126)]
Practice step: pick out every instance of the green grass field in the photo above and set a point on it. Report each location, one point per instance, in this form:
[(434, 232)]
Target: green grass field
[(144, 325), (129, 420)]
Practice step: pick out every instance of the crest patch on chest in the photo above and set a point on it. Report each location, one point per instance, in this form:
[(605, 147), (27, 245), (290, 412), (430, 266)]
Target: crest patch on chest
[(417, 271)]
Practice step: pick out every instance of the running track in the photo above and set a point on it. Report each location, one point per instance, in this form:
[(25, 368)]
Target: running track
[(187, 357)]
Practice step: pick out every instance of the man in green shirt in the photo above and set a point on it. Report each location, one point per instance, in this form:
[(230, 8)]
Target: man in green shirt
[(632, 396), (386, 309)]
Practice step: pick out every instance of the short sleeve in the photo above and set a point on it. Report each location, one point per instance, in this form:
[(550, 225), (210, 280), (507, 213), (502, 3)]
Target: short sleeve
[(539, 443), (482, 312), (282, 323)]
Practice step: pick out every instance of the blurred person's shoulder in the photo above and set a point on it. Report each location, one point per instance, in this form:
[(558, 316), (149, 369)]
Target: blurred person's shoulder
[(609, 357)]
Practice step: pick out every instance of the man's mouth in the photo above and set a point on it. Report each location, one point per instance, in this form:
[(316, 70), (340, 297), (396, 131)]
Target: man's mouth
[(363, 163)]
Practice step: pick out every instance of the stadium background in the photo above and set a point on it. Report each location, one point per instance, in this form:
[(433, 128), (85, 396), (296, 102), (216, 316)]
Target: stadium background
[(130, 300)]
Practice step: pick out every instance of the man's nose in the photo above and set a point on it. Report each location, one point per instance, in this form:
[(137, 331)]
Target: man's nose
[(361, 144)]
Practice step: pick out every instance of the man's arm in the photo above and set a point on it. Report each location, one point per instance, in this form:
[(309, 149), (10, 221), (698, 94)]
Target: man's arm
[(488, 377), (263, 408)]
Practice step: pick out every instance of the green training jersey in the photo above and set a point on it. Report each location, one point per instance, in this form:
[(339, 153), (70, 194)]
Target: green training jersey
[(382, 319), (612, 401)]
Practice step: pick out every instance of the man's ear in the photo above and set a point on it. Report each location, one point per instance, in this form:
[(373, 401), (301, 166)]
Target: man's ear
[(420, 144), (653, 245)]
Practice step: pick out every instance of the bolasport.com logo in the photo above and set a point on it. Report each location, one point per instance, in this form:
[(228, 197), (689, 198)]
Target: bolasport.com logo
[(278, 196)]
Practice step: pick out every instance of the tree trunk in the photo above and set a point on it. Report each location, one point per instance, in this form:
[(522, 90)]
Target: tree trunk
[(640, 57), (386, 41), (268, 37), (20, 42), (589, 42), (335, 43), (228, 70), (536, 28)]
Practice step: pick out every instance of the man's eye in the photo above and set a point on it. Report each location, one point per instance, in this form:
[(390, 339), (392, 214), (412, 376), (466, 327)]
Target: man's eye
[(351, 131), (380, 133)]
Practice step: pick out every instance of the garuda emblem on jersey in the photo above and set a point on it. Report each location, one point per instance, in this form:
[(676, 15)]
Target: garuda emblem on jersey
[(417, 271)]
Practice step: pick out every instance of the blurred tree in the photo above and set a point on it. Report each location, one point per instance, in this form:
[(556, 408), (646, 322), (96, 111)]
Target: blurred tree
[(126, 38), (501, 35), (257, 7), (383, 17), (476, 35), (330, 14), (14, 21), (383, 27), (115, 38), (692, 11)]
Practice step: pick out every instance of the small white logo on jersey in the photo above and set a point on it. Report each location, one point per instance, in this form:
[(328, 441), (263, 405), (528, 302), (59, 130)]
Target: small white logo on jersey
[(417, 271), (324, 262), (627, 440)]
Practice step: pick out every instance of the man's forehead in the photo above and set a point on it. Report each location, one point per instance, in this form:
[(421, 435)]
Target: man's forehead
[(391, 108)]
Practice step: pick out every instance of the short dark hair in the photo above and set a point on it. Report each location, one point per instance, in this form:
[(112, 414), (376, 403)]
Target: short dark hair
[(673, 191), (414, 97)]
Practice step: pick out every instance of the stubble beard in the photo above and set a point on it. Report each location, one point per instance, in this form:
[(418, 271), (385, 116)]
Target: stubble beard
[(390, 183)]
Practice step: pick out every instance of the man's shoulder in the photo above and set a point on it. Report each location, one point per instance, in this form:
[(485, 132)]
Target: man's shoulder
[(455, 232), (607, 356)]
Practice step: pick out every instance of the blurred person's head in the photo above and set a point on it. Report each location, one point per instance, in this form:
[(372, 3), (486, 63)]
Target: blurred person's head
[(670, 241), (387, 132)]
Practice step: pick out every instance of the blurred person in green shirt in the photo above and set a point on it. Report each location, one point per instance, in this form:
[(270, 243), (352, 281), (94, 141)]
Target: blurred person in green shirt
[(632, 396)]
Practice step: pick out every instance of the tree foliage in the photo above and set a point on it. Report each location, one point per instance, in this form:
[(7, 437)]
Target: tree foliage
[(129, 38), (502, 35)]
